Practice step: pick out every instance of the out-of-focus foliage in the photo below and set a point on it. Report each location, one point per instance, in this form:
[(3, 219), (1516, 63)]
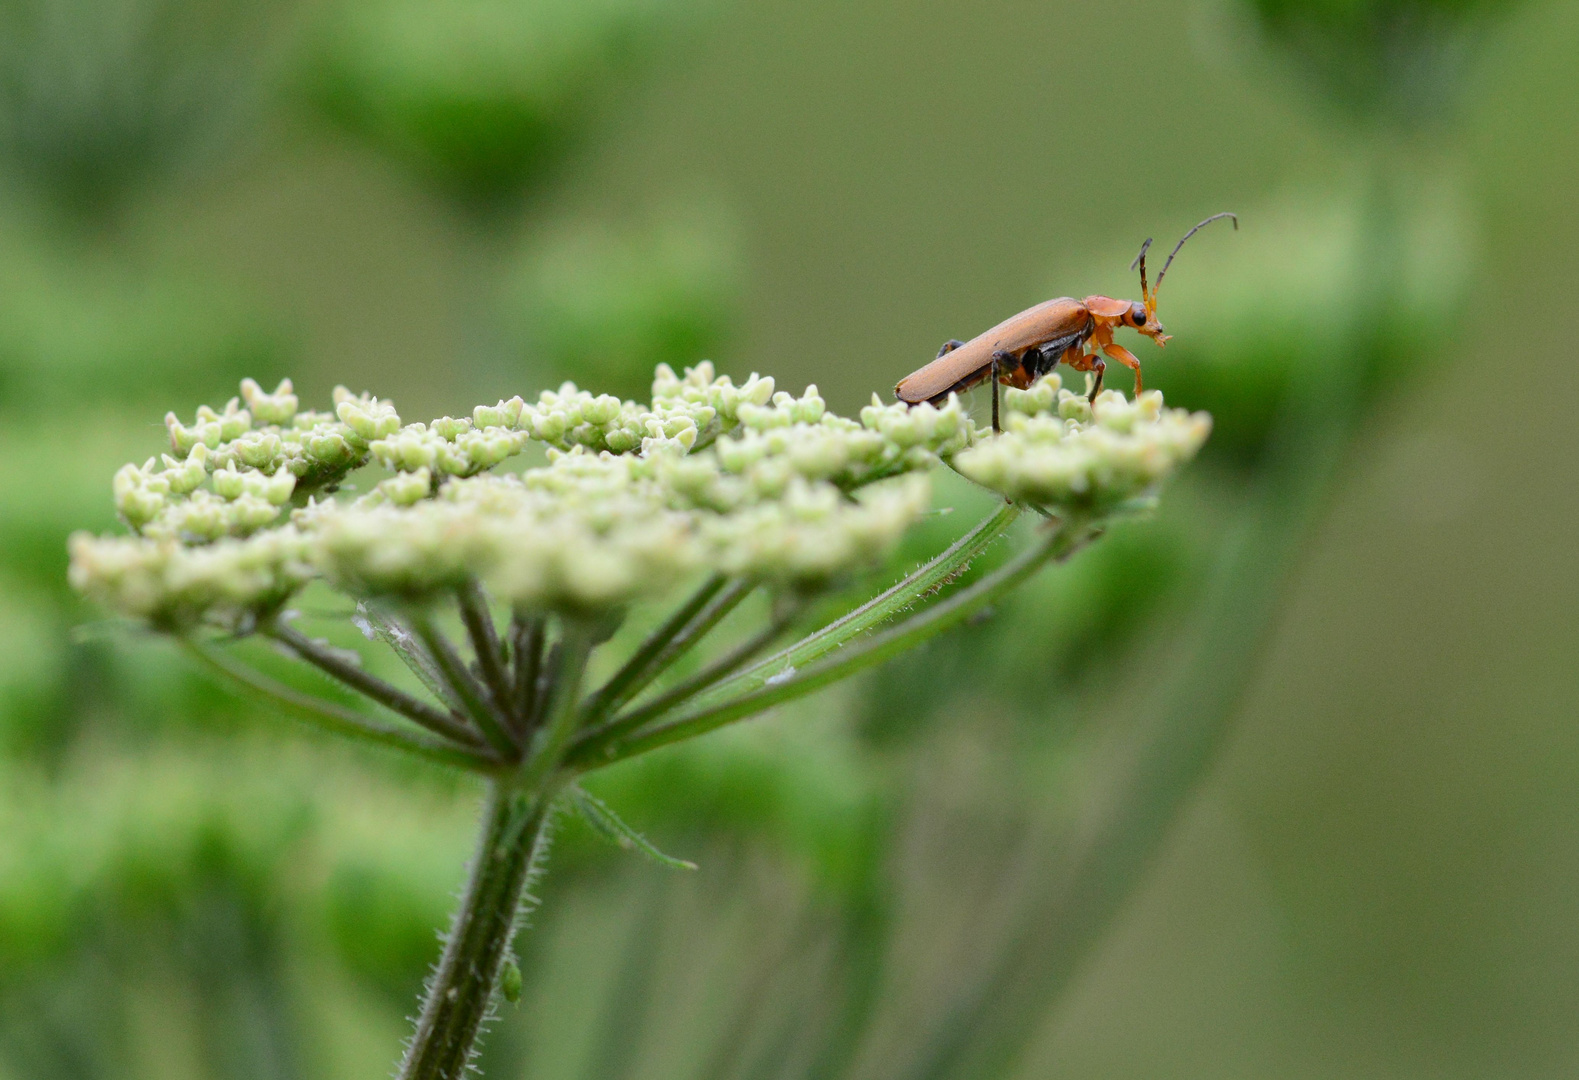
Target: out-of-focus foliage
[(1398, 58), (603, 305), (99, 97), (482, 96), (140, 920), (83, 328)]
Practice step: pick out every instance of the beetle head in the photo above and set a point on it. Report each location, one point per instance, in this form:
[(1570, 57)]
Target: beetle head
[(1135, 314), (1153, 328)]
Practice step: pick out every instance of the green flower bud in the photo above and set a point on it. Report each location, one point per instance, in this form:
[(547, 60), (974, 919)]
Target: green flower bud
[(330, 450), (1074, 407), (810, 407), (186, 476), (276, 408), (261, 450), (278, 488), (139, 498), (229, 483), (450, 429), (1123, 453), (368, 417), (250, 513), (404, 489), (602, 409)]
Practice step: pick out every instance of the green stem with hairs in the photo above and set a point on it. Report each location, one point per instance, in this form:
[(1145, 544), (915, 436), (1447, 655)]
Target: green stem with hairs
[(460, 994)]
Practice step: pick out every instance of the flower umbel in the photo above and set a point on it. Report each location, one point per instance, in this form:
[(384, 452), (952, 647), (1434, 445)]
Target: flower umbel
[(728, 489)]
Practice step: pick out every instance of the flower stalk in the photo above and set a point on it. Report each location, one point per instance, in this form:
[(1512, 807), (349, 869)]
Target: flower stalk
[(460, 994)]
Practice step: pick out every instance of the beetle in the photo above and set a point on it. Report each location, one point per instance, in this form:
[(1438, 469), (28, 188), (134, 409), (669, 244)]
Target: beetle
[(1024, 347)]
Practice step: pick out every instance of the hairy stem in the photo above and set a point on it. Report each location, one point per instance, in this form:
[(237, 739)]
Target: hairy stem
[(460, 995)]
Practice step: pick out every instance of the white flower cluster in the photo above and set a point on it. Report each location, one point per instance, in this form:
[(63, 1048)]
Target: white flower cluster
[(173, 585), (231, 473), (741, 480), (1057, 449), (583, 532)]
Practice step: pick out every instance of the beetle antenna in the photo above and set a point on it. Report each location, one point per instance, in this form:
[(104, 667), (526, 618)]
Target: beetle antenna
[(1140, 260), (1186, 236)]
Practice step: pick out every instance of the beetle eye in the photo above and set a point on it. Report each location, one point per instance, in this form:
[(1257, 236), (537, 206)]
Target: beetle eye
[(1137, 314)]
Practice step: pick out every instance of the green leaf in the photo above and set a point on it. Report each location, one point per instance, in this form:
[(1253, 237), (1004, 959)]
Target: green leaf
[(607, 824)]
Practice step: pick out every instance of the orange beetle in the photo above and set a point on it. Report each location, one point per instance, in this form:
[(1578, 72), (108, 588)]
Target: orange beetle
[(1024, 347)]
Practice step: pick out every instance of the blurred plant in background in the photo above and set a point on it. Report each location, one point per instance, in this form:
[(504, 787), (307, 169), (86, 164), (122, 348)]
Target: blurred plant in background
[(483, 97), (604, 306), (100, 99)]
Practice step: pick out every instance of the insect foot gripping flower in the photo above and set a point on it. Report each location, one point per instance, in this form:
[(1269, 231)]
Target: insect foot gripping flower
[(1059, 451), (495, 588)]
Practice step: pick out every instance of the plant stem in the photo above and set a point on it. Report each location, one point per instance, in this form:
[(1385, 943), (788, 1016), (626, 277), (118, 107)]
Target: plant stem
[(928, 578), (713, 673), (391, 632), (418, 711), (460, 994), (687, 639), (485, 643), (561, 714), (460, 680), (330, 717), (612, 694), (526, 647)]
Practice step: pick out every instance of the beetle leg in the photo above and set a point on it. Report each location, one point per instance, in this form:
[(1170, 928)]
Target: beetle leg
[(1084, 361), (1001, 362), (998, 359), (1128, 359), (949, 346)]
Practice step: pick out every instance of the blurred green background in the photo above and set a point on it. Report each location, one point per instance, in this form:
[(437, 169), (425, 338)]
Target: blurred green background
[(1375, 875)]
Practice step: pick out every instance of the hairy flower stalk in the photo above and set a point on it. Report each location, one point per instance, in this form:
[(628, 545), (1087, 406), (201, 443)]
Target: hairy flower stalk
[(724, 491)]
